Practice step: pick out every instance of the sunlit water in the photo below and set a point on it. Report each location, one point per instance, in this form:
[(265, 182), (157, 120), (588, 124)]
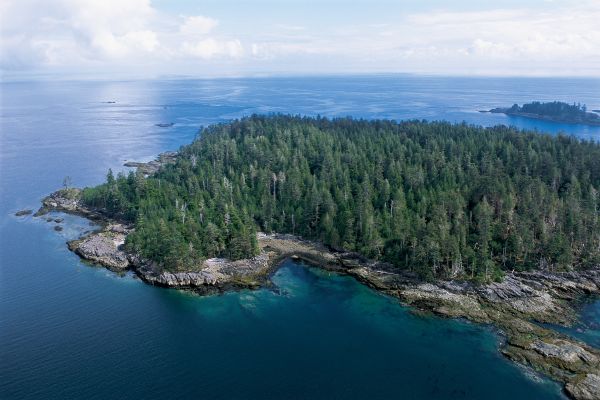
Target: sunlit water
[(70, 330)]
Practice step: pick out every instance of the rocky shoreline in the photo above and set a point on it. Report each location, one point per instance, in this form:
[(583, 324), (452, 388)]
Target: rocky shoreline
[(148, 168), (517, 306)]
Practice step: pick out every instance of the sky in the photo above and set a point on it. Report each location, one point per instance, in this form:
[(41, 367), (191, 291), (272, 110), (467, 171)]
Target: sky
[(214, 38)]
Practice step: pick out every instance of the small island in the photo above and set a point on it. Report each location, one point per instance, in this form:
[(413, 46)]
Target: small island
[(555, 111), (493, 225)]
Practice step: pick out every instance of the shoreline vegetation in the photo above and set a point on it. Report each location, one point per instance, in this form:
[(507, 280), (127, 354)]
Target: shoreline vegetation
[(554, 112), (516, 296)]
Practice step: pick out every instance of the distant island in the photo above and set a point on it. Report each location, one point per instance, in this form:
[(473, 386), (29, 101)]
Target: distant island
[(555, 111), (494, 225)]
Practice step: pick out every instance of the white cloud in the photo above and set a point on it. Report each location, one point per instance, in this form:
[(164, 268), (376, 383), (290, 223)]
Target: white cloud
[(517, 39), (83, 33), (563, 38), (198, 25)]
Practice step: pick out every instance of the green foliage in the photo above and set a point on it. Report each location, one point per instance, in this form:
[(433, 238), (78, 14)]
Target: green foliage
[(439, 199), (557, 109)]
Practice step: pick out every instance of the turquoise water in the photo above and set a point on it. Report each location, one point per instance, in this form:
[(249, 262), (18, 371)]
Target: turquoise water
[(587, 328), (70, 330)]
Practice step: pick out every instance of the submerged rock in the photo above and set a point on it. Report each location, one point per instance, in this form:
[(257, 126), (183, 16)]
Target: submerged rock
[(22, 213)]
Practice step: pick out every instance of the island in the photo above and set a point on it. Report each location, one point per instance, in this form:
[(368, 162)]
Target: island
[(555, 111), (493, 225)]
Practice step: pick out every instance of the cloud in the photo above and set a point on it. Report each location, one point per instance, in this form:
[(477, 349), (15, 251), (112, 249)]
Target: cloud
[(198, 25), (561, 38), (83, 33), (500, 41), (517, 39)]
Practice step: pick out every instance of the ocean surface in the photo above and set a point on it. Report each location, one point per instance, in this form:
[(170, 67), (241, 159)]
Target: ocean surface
[(71, 330)]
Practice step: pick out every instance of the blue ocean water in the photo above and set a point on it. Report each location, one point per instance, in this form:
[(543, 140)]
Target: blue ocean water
[(70, 330)]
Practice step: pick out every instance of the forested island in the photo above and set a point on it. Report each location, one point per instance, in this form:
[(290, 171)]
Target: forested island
[(443, 200), (494, 225), (555, 111)]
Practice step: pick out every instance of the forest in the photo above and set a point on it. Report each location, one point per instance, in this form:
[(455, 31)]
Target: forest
[(442, 200), (556, 109)]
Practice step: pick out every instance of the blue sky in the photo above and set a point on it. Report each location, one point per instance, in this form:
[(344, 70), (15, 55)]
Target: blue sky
[(147, 38)]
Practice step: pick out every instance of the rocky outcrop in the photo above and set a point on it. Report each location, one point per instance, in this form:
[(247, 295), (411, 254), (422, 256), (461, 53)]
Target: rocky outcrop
[(104, 247), (586, 387), (564, 351), (149, 168), (213, 275), (68, 201)]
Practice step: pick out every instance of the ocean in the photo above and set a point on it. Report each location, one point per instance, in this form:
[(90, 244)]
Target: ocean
[(73, 330)]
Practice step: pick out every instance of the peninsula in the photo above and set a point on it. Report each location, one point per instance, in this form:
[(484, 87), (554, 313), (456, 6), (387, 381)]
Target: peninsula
[(555, 111), (493, 225)]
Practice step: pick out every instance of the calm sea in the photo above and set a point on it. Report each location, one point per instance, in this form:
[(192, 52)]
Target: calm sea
[(70, 330)]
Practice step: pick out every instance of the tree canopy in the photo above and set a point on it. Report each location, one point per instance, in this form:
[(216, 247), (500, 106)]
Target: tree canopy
[(441, 199), (557, 109)]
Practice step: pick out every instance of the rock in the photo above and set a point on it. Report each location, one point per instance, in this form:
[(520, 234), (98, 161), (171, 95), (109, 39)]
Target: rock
[(49, 219), (148, 168), (22, 213), (117, 228), (445, 302), (58, 220), (584, 388), (102, 248), (217, 272), (565, 351), (67, 200), (58, 228)]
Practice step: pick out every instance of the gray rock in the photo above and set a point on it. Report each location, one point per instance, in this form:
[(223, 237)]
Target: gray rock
[(22, 213), (587, 388), (149, 168), (102, 248), (564, 350)]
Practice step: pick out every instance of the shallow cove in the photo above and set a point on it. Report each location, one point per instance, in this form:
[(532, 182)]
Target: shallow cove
[(315, 335)]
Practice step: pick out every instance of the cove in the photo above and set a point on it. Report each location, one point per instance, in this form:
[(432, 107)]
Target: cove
[(314, 334)]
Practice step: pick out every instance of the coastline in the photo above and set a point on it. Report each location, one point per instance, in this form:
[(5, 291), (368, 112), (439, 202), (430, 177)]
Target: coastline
[(506, 111), (514, 306)]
